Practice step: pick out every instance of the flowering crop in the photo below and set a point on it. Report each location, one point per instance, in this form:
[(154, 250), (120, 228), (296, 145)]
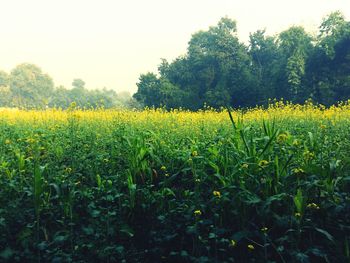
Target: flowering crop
[(176, 186)]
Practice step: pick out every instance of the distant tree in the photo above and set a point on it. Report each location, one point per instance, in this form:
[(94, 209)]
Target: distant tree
[(219, 70), (60, 98), (333, 28), (265, 58), (5, 93), (78, 83), (328, 68), (295, 45), (4, 79), (148, 92), (30, 87)]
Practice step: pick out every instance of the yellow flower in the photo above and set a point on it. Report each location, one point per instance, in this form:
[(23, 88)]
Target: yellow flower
[(251, 247), (233, 243), (313, 206), (263, 163), (217, 193), (197, 212), (296, 142), (282, 137), (308, 155), (167, 174), (7, 141), (194, 153), (30, 140), (264, 229), (163, 168), (298, 171), (244, 166), (297, 214)]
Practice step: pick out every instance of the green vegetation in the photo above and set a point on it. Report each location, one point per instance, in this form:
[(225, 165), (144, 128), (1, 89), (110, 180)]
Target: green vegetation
[(28, 87), (155, 186), (219, 70)]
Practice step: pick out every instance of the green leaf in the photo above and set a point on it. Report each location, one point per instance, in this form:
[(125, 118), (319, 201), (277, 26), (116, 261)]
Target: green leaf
[(325, 233)]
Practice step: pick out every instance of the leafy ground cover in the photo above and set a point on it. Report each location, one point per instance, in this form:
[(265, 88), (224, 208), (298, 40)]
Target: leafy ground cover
[(260, 185)]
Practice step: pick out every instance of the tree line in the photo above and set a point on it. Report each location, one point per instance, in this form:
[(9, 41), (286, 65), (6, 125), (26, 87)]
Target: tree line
[(26, 86), (219, 70)]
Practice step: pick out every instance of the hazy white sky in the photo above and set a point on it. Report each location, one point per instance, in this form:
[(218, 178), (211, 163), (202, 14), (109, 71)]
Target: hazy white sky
[(109, 43)]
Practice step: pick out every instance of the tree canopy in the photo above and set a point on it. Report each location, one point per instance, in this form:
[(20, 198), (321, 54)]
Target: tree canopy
[(27, 86), (219, 70)]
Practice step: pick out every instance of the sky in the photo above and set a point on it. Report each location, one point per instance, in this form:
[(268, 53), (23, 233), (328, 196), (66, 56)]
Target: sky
[(109, 43)]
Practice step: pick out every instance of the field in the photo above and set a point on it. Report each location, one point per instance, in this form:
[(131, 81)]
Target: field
[(259, 185)]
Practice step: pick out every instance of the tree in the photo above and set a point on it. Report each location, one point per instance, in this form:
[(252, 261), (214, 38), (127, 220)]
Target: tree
[(78, 83), (295, 45), (333, 28), (148, 92), (4, 79), (265, 58), (30, 87), (328, 69)]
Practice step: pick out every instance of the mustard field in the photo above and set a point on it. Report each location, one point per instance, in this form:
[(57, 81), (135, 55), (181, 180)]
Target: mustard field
[(254, 185)]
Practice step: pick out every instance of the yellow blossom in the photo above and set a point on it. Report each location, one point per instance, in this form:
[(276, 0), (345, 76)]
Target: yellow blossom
[(263, 163), (244, 166), (282, 137), (313, 206), (216, 193), (298, 171), (197, 212), (264, 229), (251, 247), (297, 214)]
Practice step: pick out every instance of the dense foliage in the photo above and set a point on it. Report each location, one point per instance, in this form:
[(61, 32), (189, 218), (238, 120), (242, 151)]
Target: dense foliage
[(219, 70), (28, 87), (154, 186)]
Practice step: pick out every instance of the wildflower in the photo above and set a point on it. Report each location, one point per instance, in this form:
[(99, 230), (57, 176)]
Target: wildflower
[(197, 212), (264, 229), (167, 174), (298, 171), (68, 170), (297, 214), (313, 206), (194, 153), (244, 166), (217, 194), (30, 140), (7, 141), (282, 138), (296, 142), (263, 163), (232, 243), (163, 168), (251, 247), (308, 155), (198, 180)]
